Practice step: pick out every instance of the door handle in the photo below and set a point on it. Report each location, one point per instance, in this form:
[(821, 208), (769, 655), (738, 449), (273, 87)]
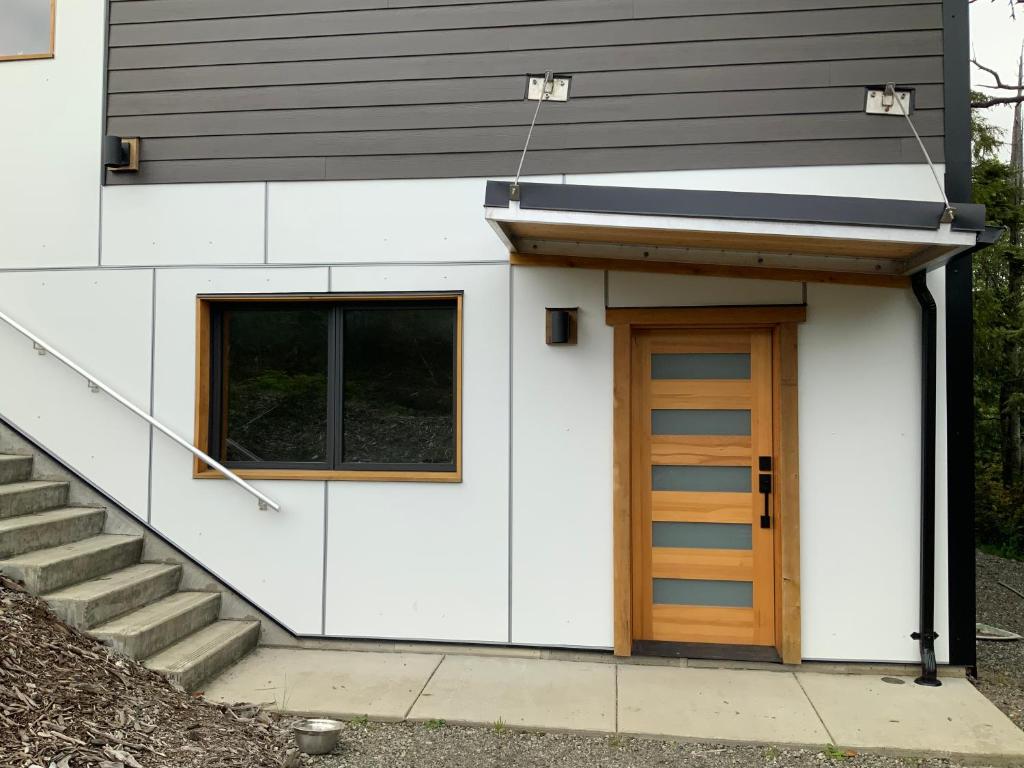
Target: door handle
[(764, 485)]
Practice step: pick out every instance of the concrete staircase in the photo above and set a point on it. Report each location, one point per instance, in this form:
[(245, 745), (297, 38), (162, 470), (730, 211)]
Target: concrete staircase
[(96, 582)]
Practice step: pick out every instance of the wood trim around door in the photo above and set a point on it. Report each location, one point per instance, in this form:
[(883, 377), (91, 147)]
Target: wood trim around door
[(783, 320)]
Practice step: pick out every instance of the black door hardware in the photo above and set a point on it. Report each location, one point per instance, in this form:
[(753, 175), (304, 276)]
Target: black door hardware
[(764, 485)]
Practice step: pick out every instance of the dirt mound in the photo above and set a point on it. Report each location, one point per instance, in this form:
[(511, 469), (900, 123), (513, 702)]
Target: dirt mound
[(70, 702)]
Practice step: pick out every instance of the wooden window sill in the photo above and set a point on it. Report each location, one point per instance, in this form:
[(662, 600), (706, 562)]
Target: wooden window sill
[(369, 476)]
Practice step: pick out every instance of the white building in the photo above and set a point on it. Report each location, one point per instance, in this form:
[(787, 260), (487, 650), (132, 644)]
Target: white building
[(664, 395)]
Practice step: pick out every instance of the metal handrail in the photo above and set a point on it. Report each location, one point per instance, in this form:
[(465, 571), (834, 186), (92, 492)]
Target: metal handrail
[(95, 385)]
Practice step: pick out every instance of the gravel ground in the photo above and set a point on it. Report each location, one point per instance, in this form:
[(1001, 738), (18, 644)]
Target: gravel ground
[(381, 745), (1001, 664)]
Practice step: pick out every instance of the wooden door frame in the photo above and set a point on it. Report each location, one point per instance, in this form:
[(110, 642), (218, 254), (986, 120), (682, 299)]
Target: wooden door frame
[(783, 321)]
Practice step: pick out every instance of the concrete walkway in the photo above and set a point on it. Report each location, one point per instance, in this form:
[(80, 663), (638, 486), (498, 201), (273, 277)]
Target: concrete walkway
[(858, 711)]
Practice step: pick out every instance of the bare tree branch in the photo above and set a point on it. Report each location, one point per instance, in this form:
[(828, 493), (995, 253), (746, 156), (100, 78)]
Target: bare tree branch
[(999, 82), (985, 103), (1012, 3)]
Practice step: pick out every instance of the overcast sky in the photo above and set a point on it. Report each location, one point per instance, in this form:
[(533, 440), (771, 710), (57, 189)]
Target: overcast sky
[(996, 41)]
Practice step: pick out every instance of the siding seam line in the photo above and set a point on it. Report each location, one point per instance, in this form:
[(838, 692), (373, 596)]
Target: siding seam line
[(152, 394), (511, 445), (323, 586)]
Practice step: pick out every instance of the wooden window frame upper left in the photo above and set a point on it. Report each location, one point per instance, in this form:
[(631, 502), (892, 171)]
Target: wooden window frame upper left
[(53, 40), (200, 470)]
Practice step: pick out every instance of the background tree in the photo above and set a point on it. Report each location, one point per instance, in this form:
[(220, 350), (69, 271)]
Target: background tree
[(999, 335)]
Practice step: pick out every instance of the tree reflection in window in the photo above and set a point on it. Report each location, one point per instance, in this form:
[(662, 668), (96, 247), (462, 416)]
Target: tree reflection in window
[(276, 373)]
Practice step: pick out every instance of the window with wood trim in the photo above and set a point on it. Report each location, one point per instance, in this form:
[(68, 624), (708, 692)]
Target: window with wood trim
[(26, 29), (361, 387)]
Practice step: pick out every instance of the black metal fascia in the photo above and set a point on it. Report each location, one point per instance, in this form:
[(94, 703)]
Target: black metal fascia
[(748, 206)]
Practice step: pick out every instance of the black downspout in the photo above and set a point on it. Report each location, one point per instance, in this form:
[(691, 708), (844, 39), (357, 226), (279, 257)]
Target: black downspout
[(926, 634)]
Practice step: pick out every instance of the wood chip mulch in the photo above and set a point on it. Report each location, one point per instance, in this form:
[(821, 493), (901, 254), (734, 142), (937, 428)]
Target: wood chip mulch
[(66, 701)]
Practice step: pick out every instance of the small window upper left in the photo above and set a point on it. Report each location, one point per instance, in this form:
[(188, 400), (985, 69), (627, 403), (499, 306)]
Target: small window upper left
[(26, 29)]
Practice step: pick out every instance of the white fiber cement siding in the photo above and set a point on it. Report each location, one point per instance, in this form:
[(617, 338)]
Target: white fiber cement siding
[(50, 134), (520, 551)]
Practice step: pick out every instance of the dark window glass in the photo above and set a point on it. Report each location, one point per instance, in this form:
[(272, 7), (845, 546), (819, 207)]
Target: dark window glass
[(335, 385), (398, 369), (276, 395)]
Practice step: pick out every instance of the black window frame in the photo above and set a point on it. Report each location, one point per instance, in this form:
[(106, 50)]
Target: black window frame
[(337, 305)]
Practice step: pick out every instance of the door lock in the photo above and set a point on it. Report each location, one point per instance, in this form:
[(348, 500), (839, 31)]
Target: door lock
[(764, 485)]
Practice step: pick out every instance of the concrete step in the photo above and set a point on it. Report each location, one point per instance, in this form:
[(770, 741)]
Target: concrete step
[(28, 496), (46, 570), (142, 633), (14, 469), (203, 654), (98, 600), (52, 528)]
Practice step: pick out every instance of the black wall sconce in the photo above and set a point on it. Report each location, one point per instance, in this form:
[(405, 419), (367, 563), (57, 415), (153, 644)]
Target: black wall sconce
[(561, 325), (120, 155)]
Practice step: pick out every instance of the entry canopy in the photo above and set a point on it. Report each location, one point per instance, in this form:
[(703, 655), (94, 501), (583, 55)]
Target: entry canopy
[(743, 234)]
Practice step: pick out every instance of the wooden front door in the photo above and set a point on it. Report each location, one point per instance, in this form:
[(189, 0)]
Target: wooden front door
[(702, 514)]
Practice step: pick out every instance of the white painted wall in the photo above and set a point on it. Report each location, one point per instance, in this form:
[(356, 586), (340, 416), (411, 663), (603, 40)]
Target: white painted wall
[(102, 320), (345, 222), (561, 464), (860, 422), (184, 224), (639, 289), (50, 134), (274, 558), (429, 561)]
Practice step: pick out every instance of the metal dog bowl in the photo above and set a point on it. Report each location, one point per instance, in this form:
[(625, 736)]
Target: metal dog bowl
[(317, 735)]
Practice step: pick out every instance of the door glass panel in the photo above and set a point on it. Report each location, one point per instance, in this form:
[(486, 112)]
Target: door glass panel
[(703, 535), (700, 365), (728, 594), (700, 479), (699, 422)]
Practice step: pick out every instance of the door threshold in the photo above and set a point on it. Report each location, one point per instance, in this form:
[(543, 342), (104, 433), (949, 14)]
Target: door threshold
[(711, 651)]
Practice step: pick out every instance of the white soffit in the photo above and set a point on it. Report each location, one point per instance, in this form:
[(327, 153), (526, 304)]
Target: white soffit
[(734, 243)]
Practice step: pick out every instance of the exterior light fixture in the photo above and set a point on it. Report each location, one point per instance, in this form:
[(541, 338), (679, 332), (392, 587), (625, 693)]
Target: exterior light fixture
[(120, 155), (561, 326)]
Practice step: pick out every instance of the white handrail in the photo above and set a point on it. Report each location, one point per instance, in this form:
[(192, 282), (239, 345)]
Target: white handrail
[(95, 384)]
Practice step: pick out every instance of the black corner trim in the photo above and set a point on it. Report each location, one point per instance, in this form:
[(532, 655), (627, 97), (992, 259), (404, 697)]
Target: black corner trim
[(960, 459), (956, 96)]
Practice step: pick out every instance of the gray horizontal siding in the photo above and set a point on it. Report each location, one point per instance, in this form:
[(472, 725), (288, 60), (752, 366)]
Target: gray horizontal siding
[(868, 51), (797, 153), (511, 87), (238, 90), (648, 133), (135, 11), (537, 36), (796, 102)]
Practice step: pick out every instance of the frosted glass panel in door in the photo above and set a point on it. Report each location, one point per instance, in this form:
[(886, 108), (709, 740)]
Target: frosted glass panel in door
[(699, 479), (700, 365)]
